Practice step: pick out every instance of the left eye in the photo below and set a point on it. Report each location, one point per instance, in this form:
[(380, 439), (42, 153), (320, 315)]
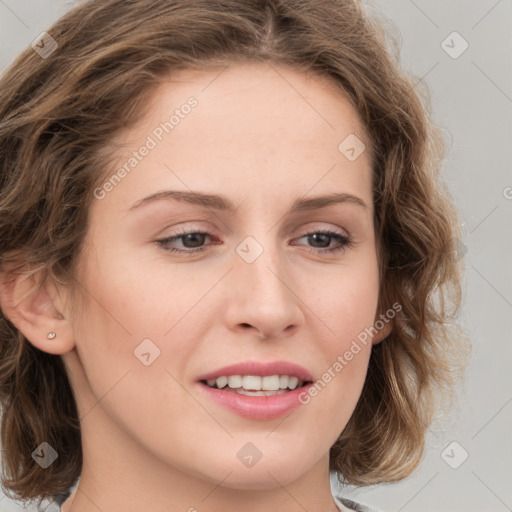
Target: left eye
[(324, 238), (194, 241)]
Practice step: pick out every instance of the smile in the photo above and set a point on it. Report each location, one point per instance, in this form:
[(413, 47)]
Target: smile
[(260, 391), (255, 385)]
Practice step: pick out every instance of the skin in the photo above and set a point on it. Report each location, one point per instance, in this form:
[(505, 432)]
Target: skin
[(261, 135)]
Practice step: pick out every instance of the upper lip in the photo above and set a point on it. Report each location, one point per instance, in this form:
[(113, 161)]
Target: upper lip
[(262, 369)]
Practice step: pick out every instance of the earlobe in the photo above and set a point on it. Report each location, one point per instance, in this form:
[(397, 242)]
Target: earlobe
[(382, 334), (31, 309)]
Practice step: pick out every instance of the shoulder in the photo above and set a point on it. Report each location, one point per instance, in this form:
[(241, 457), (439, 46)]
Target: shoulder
[(56, 503), (59, 499)]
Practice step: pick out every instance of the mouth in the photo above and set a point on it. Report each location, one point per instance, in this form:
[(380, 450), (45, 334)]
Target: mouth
[(258, 391), (256, 385)]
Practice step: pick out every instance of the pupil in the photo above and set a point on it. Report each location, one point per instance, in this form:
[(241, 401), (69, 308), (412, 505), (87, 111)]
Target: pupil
[(197, 239), (323, 236)]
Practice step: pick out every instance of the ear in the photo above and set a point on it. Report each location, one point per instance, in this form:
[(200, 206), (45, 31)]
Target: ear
[(36, 309), (383, 332)]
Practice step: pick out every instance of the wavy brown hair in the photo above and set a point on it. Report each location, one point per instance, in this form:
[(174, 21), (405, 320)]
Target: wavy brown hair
[(57, 116)]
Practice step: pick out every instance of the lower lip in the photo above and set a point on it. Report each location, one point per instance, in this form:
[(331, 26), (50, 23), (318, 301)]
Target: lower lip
[(256, 407)]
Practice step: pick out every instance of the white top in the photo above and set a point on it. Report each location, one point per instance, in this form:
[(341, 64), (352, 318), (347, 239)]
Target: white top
[(349, 505)]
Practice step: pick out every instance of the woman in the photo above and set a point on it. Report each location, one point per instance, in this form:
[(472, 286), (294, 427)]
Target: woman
[(226, 258)]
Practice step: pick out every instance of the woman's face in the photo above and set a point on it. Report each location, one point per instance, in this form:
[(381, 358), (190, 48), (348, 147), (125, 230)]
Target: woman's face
[(255, 286)]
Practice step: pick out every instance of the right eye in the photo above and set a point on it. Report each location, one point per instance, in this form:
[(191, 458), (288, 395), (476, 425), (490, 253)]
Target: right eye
[(192, 240)]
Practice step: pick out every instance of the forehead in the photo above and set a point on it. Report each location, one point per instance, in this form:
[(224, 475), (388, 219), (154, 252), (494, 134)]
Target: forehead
[(267, 96), (256, 126)]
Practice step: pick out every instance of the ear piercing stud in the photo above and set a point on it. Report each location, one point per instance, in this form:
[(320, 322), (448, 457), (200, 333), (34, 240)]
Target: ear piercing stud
[(51, 335)]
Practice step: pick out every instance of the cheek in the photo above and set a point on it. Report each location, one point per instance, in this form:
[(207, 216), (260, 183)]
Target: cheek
[(126, 359), (347, 307), (135, 326), (345, 299), (137, 298)]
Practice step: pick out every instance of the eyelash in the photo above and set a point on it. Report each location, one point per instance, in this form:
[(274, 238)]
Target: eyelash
[(344, 241)]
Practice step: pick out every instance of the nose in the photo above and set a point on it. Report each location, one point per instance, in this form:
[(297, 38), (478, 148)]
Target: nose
[(264, 297)]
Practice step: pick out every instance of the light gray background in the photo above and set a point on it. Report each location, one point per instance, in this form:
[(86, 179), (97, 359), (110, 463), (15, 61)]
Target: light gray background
[(472, 101)]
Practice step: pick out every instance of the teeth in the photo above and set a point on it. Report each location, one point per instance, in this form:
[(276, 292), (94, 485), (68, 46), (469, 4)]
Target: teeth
[(251, 382), (235, 381), (221, 382), (283, 381), (270, 383), (242, 391), (255, 383), (292, 382)]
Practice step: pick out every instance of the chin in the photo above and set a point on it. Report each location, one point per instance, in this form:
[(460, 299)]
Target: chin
[(263, 475)]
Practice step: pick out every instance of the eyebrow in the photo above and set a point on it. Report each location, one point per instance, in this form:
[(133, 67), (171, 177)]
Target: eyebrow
[(222, 203)]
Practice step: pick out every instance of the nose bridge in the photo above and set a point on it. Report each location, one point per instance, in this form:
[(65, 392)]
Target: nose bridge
[(263, 295), (260, 264)]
